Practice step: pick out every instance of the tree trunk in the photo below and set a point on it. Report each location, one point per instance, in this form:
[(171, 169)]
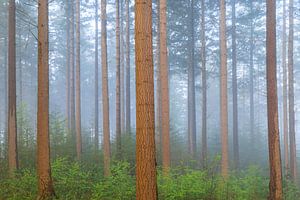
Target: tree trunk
[(118, 87), (5, 100), (191, 87), (12, 118), (204, 86), (234, 92), (122, 68), (128, 110), (68, 67), (96, 81), (78, 101), (284, 79), (275, 185), (164, 77), (251, 80), (293, 160), (106, 132), (45, 187), (146, 187), (223, 90)]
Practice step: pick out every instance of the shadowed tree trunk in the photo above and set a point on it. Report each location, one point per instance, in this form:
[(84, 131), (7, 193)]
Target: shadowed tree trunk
[(45, 187), (128, 110), (275, 186), (146, 187), (223, 90), (284, 79), (96, 80), (164, 77), (12, 118), (105, 98), (68, 66)]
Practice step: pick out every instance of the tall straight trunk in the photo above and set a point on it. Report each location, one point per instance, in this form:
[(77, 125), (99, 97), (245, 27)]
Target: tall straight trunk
[(118, 86), (128, 110), (223, 90), (293, 160), (122, 67), (78, 101), (105, 98), (5, 99), (275, 186), (68, 66), (284, 91), (146, 187), (45, 186), (12, 118), (96, 80), (191, 86), (234, 92), (164, 77), (72, 74), (251, 78), (204, 86), (158, 84)]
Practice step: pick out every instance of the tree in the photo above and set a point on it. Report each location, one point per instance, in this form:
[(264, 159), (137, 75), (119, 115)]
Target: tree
[(46, 190), (78, 101), (284, 91), (68, 66), (12, 118), (164, 77), (128, 110), (96, 80), (191, 85), (146, 187), (223, 90), (105, 104), (204, 86), (275, 186), (118, 82), (293, 160)]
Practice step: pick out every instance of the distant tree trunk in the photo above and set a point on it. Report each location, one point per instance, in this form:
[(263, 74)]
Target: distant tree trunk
[(72, 73), (45, 187), (68, 66), (204, 87), (12, 118), (191, 86), (234, 92), (5, 99), (251, 79), (223, 90), (285, 112), (106, 132), (158, 85), (164, 77), (122, 68), (128, 110), (118, 86), (96, 80), (146, 187), (293, 160), (78, 100), (275, 185)]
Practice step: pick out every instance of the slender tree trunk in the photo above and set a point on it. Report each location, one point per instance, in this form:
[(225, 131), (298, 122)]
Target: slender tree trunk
[(191, 86), (72, 73), (146, 187), (118, 86), (12, 118), (204, 86), (68, 66), (284, 79), (96, 80), (45, 187), (251, 79), (293, 160), (6, 99), (234, 92), (122, 67), (223, 90), (275, 185), (106, 132), (128, 110), (164, 77), (78, 100)]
